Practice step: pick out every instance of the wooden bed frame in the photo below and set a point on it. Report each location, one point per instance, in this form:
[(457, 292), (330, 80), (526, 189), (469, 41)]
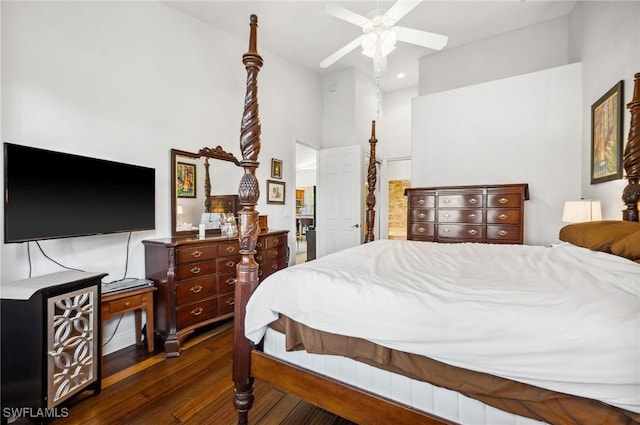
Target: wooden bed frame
[(249, 363)]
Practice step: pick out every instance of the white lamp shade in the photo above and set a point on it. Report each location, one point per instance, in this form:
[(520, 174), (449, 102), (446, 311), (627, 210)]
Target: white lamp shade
[(582, 210)]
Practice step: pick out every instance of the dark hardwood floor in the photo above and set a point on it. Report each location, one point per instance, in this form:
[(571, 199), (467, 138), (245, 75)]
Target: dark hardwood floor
[(195, 388)]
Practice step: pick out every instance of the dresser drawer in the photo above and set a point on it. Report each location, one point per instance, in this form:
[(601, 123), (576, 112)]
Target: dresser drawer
[(191, 290), (504, 216), (226, 282), (459, 216), (419, 200), (196, 253), (504, 233), (271, 241), (191, 314), (504, 200), (232, 248), (460, 231), (460, 201), (419, 215), (195, 269), (225, 304), (421, 230), (227, 264), (271, 266)]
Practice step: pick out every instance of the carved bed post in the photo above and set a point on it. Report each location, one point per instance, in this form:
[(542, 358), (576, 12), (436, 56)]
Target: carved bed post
[(248, 229), (631, 160), (371, 183), (207, 186)]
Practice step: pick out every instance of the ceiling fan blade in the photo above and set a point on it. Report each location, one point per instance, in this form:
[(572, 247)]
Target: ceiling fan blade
[(399, 10), (346, 15), (340, 53), (421, 38)]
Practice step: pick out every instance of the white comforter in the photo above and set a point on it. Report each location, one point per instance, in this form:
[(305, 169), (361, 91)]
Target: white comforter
[(562, 318)]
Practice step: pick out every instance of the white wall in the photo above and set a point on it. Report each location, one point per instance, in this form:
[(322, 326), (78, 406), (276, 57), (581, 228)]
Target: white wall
[(605, 36), (516, 52), (128, 81), (523, 129)]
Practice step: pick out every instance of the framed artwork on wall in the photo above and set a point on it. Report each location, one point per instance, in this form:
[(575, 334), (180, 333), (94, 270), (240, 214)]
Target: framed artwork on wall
[(185, 180), (276, 168), (275, 192), (606, 136)]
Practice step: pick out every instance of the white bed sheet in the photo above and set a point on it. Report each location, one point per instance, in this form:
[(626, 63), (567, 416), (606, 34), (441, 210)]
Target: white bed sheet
[(562, 318)]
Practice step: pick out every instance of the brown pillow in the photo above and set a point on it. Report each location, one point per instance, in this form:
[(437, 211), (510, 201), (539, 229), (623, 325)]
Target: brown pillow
[(628, 247), (598, 235)]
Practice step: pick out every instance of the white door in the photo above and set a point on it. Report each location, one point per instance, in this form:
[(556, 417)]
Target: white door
[(339, 203)]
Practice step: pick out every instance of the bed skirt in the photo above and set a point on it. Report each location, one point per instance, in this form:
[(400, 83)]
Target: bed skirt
[(469, 398)]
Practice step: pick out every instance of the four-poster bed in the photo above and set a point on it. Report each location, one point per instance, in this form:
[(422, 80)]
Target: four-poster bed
[(271, 312)]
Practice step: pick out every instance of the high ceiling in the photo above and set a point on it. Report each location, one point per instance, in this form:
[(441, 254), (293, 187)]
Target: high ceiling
[(303, 33)]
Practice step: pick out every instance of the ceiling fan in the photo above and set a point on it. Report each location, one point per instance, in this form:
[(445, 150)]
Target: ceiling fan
[(379, 34)]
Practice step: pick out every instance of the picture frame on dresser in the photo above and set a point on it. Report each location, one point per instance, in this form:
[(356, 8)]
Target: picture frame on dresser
[(275, 192), (606, 135)]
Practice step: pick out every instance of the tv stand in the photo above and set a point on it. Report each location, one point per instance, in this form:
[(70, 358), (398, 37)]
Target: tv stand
[(51, 341)]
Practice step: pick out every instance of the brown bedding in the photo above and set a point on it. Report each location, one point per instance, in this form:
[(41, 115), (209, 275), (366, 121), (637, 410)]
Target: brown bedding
[(515, 397)]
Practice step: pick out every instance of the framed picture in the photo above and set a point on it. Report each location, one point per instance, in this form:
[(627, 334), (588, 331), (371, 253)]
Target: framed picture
[(185, 180), (276, 168), (275, 192), (606, 136)]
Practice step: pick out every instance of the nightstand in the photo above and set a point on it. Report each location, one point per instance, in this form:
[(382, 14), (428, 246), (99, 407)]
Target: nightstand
[(135, 300)]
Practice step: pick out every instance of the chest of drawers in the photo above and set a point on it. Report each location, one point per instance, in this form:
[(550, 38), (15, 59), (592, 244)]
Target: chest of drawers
[(481, 213), (196, 280)]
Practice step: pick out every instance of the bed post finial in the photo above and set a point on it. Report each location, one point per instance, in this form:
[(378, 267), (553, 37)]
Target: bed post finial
[(371, 183), (631, 159), (248, 229)]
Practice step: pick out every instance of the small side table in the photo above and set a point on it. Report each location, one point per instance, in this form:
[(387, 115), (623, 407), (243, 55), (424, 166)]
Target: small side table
[(135, 300)]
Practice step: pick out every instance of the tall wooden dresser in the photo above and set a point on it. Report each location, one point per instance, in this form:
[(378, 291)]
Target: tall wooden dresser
[(196, 279), (481, 213)]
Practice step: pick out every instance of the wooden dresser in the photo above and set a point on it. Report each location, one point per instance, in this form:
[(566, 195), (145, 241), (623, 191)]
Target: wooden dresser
[(482, 213), (196, 280)]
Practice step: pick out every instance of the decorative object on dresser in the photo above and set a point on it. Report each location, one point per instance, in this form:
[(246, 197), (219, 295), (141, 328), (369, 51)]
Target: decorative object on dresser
[(479, 213), (196, 280), (51, 339)]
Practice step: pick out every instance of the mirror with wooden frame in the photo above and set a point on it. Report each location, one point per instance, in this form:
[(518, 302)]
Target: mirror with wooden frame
[(203, 186)]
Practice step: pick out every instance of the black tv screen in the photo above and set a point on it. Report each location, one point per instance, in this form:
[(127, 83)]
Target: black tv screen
[(50, 194)]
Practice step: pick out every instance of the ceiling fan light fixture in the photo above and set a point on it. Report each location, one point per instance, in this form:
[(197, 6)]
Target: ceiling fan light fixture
[(382, 43)]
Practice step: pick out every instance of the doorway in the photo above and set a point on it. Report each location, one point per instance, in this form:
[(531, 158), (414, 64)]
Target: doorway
[(305, 180)]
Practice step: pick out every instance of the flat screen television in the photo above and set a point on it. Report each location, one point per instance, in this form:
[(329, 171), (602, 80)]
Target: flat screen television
[(49, 195)]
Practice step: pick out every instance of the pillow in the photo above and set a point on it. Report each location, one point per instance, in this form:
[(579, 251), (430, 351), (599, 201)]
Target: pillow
[(598, 235), (628, 247)]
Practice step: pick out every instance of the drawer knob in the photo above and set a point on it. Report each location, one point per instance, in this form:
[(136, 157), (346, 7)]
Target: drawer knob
[(422, 215), (472, 216), (446, 215), (446, 201), (421, 201), (274, 252), (259, 244), (472, 232), (446, 230), (127, 304), (260, 272), (503, 216), (503, 200), (197, 311), (259, 257), (196, 289), (274, 266), (230, 249), (196, 253), (230, 281), (503, 233), (421, 229), (230, 264), (195, 270), (473, 201), (276, 240), (231, 301)]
